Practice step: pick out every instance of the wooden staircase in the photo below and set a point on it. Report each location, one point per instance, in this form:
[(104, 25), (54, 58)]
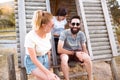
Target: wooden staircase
[(101, 38), (98, 29)]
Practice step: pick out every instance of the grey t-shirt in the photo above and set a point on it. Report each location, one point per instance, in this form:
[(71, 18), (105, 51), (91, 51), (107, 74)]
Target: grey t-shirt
[(71, 43)]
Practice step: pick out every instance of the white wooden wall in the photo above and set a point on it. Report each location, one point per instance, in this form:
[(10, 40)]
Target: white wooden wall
[(24, 10), (101, 39)]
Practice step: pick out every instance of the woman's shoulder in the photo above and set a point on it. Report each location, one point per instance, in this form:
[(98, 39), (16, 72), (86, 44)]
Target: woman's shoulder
[(49, 35), (30, 33)]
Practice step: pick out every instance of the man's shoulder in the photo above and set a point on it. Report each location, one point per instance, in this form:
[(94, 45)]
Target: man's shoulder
[(80, 32)]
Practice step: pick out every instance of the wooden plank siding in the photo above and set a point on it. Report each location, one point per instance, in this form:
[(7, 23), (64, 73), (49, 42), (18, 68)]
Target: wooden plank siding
[(101, 44), (24, 10), (97, 26), (93, 19), (112, 23), (28, 7)]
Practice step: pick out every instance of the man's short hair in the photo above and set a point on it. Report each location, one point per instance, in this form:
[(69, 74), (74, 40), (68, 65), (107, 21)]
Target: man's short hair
[(75, 17)]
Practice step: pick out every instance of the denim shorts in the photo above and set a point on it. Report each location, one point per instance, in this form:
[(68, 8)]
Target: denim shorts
[(29, 65)]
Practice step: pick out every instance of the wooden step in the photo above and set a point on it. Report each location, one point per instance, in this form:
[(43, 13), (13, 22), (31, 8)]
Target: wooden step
[(100, 43), (93, 12), (96, 24), (98, 31), (97, 27), (91, 1), (35, 0), (99, 39), (102, 52), (102, 57), (35, 4), (35, 8), (92, 4), (94, 16), (104, 47)]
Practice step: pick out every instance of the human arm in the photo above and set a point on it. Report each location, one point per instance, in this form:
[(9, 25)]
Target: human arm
[(34, 59), (49, 74), (61, 50), (84, 48), (83, 42), (49, 57)]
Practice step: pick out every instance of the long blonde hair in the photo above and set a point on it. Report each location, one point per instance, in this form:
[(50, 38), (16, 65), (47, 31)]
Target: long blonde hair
[(39, 18)]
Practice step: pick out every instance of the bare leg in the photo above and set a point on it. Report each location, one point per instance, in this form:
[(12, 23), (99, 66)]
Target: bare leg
[(39, 74), (88, 66), (87, 62), (64, 65)]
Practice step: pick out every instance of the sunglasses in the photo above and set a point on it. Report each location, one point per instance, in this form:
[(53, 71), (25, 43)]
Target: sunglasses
[(73, 24)]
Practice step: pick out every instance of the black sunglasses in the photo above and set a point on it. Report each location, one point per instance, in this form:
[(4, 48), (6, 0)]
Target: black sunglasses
[(77, 24)]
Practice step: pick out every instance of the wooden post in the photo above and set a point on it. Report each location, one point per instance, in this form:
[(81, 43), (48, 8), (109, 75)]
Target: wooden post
[(23, 75), (11, 67), (22, 28), (80, 8), (114, 69)]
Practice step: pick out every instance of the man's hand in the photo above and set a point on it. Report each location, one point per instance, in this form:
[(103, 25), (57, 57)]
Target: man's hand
[(72, 52)]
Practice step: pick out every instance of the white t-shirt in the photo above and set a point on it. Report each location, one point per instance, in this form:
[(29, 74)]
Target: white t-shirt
[(59, 25), (42, 46)]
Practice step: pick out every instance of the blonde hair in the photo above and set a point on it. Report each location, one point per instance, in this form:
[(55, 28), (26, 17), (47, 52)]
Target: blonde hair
[(39, 18)]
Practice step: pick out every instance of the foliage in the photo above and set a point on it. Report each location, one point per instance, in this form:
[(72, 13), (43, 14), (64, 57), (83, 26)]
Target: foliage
[(7, 17), (6, 22), (115, 11), (0, 12)]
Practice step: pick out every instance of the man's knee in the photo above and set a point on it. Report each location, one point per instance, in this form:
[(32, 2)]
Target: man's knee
[(64, 58), (87, 58)]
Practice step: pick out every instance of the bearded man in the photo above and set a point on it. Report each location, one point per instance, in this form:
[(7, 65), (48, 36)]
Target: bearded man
[(72, 44)]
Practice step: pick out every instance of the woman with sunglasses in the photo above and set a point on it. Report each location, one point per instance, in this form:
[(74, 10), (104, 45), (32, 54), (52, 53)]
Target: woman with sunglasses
[(38, 45), (72, 46)]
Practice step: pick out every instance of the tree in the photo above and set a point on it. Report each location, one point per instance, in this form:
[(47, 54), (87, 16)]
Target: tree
[(115, 11), (1, 12)]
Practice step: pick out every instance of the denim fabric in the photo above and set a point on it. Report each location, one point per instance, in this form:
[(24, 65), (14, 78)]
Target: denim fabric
[(29, 65), (57, 30)]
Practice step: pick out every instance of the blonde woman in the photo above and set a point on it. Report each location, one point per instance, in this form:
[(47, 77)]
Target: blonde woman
[(38, 45)]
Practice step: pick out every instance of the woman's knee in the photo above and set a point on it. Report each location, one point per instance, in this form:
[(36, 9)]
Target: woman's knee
[(39, 74)]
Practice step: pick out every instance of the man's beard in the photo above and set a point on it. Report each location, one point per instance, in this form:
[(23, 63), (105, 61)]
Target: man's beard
[(75, 31)]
